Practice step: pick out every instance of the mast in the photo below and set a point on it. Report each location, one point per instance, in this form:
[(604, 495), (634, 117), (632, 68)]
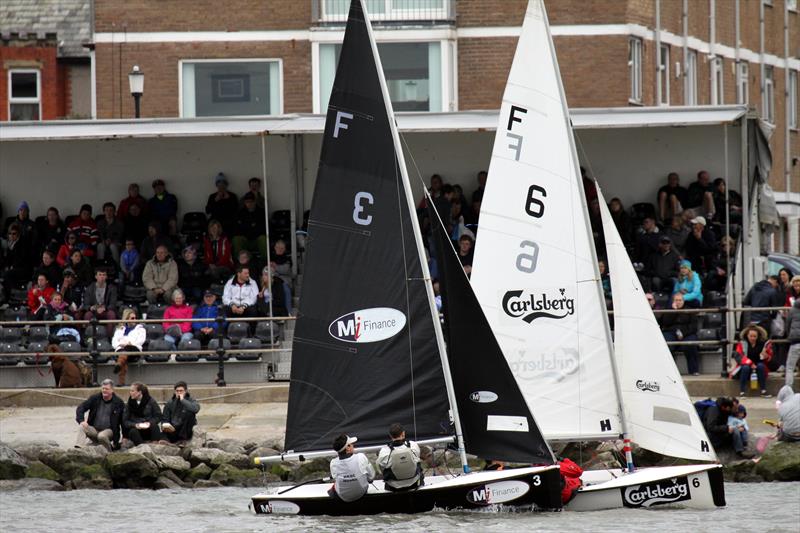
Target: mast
[(420, 249), (588, 229)]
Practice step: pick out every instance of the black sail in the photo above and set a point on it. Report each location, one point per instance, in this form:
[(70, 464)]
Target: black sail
[(495, 419), (364, 353)]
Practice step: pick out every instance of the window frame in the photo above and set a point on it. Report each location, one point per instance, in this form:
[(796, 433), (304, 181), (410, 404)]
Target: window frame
[(277, 60), (390, 13), (690, 98), (793, 97), (743, 83), (24, 100), (635, 56), (717, 81), (768, 95), (665, 79)]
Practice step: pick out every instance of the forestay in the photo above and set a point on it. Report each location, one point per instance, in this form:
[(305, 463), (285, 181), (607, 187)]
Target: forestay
[(534, 270), (659, 414), (364, 353), (495, 418)]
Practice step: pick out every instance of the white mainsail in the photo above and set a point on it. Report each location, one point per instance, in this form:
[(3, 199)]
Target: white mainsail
[(534, 269), (659, 414)]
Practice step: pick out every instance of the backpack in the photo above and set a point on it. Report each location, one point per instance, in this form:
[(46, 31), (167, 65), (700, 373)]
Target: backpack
[(701, 406)]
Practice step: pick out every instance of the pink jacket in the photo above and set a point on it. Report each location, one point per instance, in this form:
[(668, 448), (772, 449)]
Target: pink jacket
[(173, 311)]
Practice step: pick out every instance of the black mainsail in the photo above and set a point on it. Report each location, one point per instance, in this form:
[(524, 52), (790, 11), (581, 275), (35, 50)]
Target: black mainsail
[(365, 352), (495, 419)]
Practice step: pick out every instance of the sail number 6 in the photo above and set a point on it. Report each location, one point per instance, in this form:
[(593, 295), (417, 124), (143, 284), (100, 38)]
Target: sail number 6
[(533, 205), (358, 211)]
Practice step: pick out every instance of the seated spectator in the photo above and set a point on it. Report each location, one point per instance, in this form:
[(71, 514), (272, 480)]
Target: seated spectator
[(246, 258), (466, 252), (103, 424), (605, 280), (240, 295), (677, 232), (752, 353), (672, 198), (81, 266), (133, 198), (135, 225), (192, 275), (271, 294), (734, 203), (254, 187), (111, 232), (154, 239), (477, 194), (128, 337), (177, 332), (86, 229), (39, 297), (180, 415), (49, 268), (208, 310), (129, 264), (788, 405), (25, 226), (173, 236), (71, 290), (16, 265), (700, 195), (217, 252), (251, 228), (647, 237), (681, 327), (701, 245), (435, 191), (689, 285), (715, 421), (57, 309), (281, 263), (142, 416), (737, 422), (621, 219), (160, 276), (52, 233), (66, 249), (100, 300), (163, 204), (763, 294), (716, 278), (222, 205), (661, 268)]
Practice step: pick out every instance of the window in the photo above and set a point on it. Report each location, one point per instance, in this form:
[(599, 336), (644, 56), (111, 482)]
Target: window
[(717, 84), (635, 69), (743, 84), (413, 74), (691, 78), (792, 95), (792, 5), (24, 95), (768, 103), (663, 66), (385, 10), (212, 88)]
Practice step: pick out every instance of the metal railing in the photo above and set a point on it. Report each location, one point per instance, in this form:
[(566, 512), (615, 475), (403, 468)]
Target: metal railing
[(389, 11)]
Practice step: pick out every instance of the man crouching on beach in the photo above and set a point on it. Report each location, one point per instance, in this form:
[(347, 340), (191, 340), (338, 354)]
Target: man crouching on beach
[(105, 416)]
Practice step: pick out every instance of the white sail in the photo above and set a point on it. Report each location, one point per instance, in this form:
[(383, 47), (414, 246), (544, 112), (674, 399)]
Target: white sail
[(534, 269), (659, 414)]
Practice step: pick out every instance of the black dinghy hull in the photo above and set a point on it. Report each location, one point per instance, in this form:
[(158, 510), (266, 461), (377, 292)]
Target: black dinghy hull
[(532, 488)]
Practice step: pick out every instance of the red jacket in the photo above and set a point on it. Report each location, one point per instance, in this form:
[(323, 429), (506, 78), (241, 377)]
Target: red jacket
[(88, 236), (63, 255), (740, 358), (571, 476), (223, 258), (33, 297)]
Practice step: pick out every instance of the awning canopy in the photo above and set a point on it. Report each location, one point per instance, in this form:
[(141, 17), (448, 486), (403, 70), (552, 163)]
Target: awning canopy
[(461, 121)]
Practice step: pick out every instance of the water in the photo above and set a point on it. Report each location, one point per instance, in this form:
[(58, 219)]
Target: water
[(762, 507)]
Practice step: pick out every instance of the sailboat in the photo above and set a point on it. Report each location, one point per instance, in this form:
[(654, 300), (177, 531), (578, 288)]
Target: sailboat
[(368, 348), (535, 273)]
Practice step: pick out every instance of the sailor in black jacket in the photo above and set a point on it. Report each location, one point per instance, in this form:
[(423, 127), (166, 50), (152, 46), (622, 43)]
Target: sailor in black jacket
[(105, 416)]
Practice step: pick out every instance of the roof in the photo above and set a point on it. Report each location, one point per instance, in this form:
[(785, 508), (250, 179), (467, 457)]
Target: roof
[(640, 117), (71, 20)]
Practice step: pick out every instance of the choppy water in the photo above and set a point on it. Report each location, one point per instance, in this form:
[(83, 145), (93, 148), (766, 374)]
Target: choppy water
[(762, 507)]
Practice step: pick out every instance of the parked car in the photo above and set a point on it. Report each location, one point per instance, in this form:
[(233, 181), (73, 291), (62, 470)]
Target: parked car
[(776, 261)]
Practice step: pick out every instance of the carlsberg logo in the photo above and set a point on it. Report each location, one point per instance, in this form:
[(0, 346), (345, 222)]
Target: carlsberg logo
[(532, 305), (674, 490)]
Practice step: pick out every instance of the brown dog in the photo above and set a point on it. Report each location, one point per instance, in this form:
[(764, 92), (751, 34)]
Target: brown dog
[(66, 372)]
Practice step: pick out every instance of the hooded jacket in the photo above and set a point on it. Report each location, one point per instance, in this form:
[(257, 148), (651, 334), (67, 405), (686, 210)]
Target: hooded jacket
[(793, 323), (762, 294), (789, 411)]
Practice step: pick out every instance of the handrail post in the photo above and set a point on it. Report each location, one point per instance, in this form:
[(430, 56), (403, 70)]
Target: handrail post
[(220, 352), (93, 352)]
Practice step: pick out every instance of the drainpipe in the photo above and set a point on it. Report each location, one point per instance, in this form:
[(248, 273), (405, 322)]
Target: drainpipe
[(659, 74), (712, 36), (737, 56), (685, 22), (787, 146), (761, 58)]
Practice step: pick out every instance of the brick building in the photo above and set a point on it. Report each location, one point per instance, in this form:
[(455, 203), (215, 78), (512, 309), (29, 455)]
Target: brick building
[(45, 69)]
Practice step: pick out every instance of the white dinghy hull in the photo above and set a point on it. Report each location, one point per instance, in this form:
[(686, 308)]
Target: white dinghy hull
[(689, 486), (533, 488)]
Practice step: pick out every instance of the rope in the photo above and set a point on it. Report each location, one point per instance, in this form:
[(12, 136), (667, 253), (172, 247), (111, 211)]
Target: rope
[(80, 399)]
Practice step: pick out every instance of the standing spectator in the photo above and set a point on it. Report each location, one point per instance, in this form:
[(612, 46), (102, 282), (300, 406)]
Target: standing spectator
[(111, 233), (163, 204), (662, 267), (100, 300), (689, 285), (701, 245), (52, 232), (281, 264), (177, 332), (763, 294), (701, 194), (254, 186), (25, 226), (752, 354), (128, 339), (734, 203), (160, 276), (39, 297), (621, 220), (192, 275), (142, 416), (677, 232), (66, 249), (477, 194), (589, 188), (647, 239), (208, 310), (129, 263), (222, 205), (271, 292), (49, 268), (135, 225), (240, 295), (435, 191), (217, 252), (793, 334), (86, 229), (16, 265), (784, 281), (154, 239), (105, 417), (71, 290), (173, 236), (251, 228), (133, 198), (672, 198), (681, 327), (180, 414), (466, 252), (81, 266)]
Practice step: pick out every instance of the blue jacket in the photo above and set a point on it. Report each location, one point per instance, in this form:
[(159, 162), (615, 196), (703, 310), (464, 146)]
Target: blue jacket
[(162, 209), (693, 288), (206, 311)]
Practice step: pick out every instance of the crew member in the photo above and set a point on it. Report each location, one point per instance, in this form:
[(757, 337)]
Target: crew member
[(351, 472), (399, 461)]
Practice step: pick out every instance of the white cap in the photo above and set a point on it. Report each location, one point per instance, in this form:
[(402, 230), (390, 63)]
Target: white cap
[(698, 220), (350, 440)]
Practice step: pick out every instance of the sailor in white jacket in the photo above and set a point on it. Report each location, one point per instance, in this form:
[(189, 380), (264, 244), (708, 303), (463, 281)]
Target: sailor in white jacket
[(351, 472)]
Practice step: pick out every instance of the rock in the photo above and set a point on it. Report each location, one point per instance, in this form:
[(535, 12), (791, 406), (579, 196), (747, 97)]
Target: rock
[(201, 471), (741, 471), (250, 445), (92, 477), (206, 484), (262, 451), (239, 460), (780, 462), (12, 464), (280, 470), (276, 443), (169, 474), (68, 462), (179, 465), (131, 470), (229, 475), (30, 450), (29, 484), (171, 450), (95, 453), (37, 469), (228, 445), (164, 482), (203, 455), (302, 471)]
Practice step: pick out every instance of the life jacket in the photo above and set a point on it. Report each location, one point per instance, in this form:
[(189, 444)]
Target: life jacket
[(402, 468), (570, 479)]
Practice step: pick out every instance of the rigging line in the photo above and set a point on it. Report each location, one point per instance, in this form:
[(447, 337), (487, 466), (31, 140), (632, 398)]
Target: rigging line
[(413, 161)]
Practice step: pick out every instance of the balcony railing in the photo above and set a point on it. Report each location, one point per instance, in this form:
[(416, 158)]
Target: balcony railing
[(390, 11)]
